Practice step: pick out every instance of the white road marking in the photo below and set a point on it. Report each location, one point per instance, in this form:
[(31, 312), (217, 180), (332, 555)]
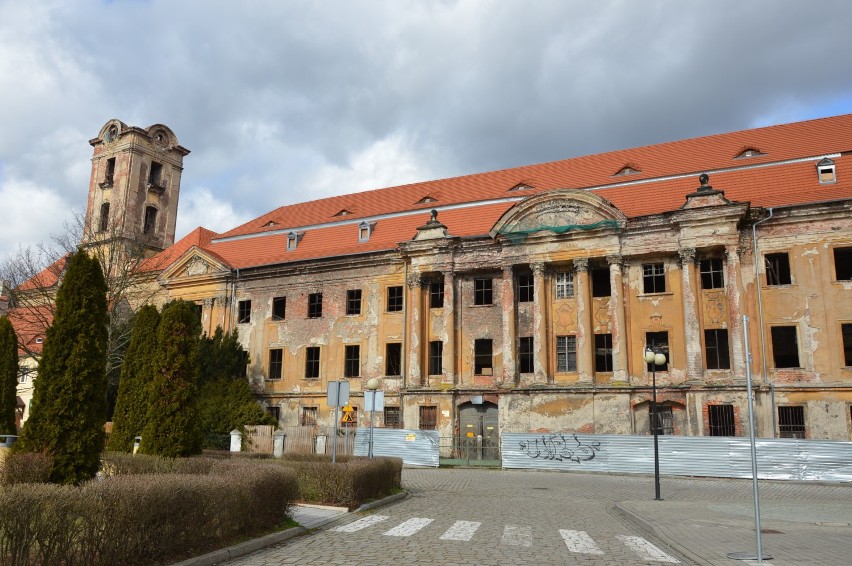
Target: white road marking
[(461, 530), (361, 524), (645, 550), (408, 528), (580, 542), (756, 563), (517, 535)]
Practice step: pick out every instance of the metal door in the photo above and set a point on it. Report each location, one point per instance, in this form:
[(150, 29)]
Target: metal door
[(478, 431)]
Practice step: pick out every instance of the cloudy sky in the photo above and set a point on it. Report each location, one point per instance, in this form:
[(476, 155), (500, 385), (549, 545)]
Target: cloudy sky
[(284, 101)]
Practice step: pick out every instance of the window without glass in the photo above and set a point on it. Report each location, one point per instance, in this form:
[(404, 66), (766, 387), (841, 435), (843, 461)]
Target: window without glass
[(778, 269), (526, 288), (243, 312), (353, 302), (846, 331), (665, 422), (659, 342), (843, 264), (566, 353), (104, 221), (720, 420), (791, 422), (393, 359), (279, 308), (600, 282), (483, 292), (436, 294), (309, 416), (428, 417), (712, 276), (394, 299), (392, 419), (109, 175), (564, 285), (274, 412), (482, 357), (525, 354), (653, 278), (716, 349), (352, 361), (312, 362), (785, 347), (315, 305), (156, 175), (603, 352), (436, 357), (276, 363), (150, 220)]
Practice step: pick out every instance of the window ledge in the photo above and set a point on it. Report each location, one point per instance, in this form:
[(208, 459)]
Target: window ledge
[(654, 295), (482, 306)]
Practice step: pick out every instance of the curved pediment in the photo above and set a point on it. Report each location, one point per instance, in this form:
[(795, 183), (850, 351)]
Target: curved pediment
[(558, 212)]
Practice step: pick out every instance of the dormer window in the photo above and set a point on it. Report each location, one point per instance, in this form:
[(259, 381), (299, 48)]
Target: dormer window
[(521, 187), (343, 212), (826, 172), (270, 223), (627, 170), (749, 152), (427, 199), (364, 231), (293, 240), (39, 340)]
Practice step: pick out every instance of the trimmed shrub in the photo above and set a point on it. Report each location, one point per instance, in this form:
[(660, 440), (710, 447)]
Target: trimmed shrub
[(25, 467), (348, 483)]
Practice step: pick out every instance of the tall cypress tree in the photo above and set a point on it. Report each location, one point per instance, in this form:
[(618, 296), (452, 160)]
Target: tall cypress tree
[(172, 427), (69, 403), (134, 387), (8, 376)]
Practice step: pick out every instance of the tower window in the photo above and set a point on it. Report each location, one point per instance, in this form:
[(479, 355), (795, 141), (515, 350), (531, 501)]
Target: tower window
[(156, 174), (103, 226), (150, 220), (109, 174)]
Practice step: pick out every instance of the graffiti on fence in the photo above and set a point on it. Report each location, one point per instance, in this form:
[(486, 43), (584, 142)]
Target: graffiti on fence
[(560, 448)]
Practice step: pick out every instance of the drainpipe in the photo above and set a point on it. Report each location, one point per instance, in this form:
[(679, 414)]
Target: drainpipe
[(760, 319), (231, 316), (404, 362)]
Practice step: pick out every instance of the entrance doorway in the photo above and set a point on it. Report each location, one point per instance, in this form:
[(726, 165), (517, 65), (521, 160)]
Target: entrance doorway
[(479, 434)]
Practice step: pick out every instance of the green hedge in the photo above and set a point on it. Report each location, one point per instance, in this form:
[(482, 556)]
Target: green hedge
[(348, 483)]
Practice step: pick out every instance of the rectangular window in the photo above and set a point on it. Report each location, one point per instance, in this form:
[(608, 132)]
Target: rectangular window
[(720, 419), (525, 354), (279, 308), (436, 357), (791, 422), (150, 223), (394, 299), (483, 293), (665, 422), (778, 269), (428, 417), (712, 276), (393, 359), (110, 172), (276, 363), (843, 264), (785, 347), (274, 412), (156, 176), (243, 312), (309, 416), (846, 332), (716, 349), (312, 362), (315, 305), (603, 352), (659, 342), (23, 375), (353, 302), (352, 361), (653, 278), (566, 353), (565, 285), (482, 357), (600, 282), (526, 288), (436, 294), (392, 419)]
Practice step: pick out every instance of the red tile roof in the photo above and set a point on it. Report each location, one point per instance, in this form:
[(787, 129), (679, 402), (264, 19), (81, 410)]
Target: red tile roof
[(47, 277), (30, 325), (200, 237)]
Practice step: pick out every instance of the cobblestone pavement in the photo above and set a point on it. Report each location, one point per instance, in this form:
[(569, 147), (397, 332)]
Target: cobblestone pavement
[(493, 517)]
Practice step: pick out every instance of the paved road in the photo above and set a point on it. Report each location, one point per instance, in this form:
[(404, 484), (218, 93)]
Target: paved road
[(492, 517)]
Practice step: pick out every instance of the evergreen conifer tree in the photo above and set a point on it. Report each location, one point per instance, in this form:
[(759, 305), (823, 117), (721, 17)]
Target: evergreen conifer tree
[(8, 376), (172, 428), (134, 387), (69, 403)]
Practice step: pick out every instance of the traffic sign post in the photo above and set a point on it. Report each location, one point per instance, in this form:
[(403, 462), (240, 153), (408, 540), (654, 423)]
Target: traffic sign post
[(337, 394)]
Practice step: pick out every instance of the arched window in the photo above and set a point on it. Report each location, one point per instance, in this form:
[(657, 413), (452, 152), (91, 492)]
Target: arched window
[(104, 223), (150, 220)]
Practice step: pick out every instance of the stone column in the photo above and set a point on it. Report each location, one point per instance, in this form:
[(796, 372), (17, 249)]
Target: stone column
[(691, 328), (414, 374), (540, 345), (618, 319), (449, 334), (735, 320), (585, 330), (509, 373)]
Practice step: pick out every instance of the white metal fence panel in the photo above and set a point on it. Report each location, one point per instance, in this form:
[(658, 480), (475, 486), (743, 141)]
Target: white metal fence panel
[(415, 447), (777, 458)]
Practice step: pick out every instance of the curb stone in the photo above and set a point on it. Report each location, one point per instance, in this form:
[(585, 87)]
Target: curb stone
[(649, 527)]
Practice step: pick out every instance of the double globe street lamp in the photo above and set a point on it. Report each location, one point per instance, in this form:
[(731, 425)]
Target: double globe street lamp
[(654, 357)]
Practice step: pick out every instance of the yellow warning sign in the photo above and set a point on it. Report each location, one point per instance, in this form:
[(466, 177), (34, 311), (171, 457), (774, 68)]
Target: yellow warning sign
[(348, 415), (470, 434)]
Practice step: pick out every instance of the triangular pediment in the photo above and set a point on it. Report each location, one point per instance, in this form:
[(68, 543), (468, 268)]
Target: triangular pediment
[(195, 263)]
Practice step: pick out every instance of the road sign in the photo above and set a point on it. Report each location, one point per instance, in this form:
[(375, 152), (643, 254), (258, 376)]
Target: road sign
[(368, 401), (348, 415), (337, 393)]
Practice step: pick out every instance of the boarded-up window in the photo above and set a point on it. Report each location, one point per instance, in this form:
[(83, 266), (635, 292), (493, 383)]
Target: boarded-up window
[(428, 417)]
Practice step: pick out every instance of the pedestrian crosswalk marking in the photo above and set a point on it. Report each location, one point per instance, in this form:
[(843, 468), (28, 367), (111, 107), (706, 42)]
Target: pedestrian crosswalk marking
[(361, 524), (580, 542), (645, 550), (409, 527), (461, 530), (517, 535)]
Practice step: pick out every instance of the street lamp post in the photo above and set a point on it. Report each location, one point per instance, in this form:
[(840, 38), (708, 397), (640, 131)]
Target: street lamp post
[(372, 385), (655, 358)]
